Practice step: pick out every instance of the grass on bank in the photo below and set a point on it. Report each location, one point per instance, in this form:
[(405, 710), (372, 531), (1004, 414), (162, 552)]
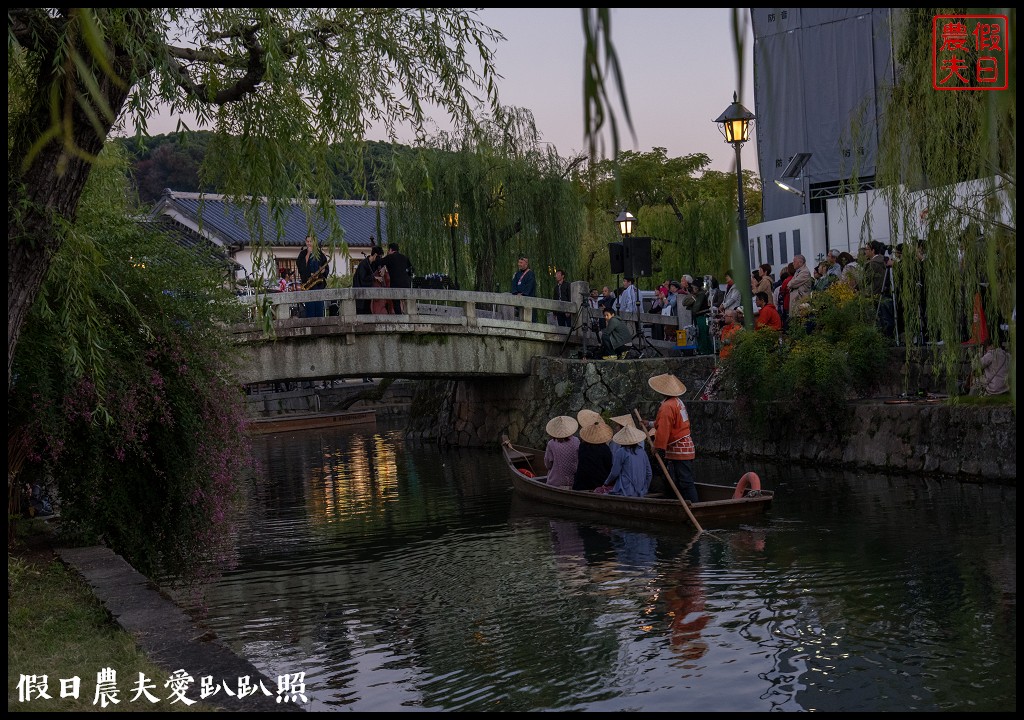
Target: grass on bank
[(57, 628)]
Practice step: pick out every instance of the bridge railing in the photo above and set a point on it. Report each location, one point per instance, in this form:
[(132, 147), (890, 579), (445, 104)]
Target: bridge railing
[(421, 307)]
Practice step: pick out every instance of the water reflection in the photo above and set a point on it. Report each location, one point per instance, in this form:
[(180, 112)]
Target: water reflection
[(410, 578)]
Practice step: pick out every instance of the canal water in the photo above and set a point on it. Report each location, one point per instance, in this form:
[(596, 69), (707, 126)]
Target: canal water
[(399, 576)]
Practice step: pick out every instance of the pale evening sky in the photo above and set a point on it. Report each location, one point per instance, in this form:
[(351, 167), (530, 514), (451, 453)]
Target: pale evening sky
[(679, 65)]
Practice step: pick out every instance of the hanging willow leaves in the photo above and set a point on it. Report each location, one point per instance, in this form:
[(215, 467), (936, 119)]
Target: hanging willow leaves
[(280, 86), (511, 195), (948, 168)]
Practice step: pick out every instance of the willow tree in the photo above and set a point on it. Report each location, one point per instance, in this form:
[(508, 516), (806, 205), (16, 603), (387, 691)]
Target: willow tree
[(279, 86), (512, 196), (948, 166)]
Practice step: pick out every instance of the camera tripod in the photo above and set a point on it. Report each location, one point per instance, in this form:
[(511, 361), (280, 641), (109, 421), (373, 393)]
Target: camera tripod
[(639, 341), (889, 282), (581, 324)]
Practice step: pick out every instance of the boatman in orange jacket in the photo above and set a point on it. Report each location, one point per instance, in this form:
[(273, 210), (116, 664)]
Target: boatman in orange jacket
[(672, 441)]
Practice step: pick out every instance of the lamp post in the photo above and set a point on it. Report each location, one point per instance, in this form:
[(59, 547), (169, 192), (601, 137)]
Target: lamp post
[(452, 220), (625, 221), (735, 125)]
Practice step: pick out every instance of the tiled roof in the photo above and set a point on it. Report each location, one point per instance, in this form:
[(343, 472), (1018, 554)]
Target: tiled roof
[(188, 238), (224, 223)]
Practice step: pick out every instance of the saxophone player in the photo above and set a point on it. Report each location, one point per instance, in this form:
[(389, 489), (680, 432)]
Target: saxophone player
[(313, 270)]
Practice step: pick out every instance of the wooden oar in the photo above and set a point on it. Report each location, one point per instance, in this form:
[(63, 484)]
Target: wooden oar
[(668, 478)]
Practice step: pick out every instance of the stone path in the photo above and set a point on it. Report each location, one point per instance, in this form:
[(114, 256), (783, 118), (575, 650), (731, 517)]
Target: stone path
[(166, 634)]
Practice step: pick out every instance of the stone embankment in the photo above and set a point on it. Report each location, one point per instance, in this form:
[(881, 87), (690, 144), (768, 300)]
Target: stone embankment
[(975, 443)]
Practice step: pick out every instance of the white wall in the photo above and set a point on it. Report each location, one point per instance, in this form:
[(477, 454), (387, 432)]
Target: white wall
[(856, 220), (810, 228), (853, 221), (339, 260)]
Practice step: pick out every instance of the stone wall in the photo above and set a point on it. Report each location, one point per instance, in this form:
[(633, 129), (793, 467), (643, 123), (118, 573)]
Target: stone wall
[(974, 442)]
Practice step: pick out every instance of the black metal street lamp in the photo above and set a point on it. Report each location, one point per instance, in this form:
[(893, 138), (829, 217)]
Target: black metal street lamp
[(735, 125), (625, 221), (452, 221)]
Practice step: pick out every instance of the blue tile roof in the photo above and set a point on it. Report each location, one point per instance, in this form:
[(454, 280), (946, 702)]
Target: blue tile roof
[(225, 222)]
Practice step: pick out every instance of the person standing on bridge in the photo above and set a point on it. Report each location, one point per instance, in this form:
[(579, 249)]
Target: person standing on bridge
[(562, 292), (363, 277), (399, 271), (524, 281), (313, 270)]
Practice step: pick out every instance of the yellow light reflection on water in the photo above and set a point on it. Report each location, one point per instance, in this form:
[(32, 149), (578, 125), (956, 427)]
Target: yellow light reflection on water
[(353, 481)]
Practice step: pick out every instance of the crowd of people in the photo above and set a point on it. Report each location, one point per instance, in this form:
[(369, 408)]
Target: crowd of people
[(586, 454), (709, 312), (702, 305)]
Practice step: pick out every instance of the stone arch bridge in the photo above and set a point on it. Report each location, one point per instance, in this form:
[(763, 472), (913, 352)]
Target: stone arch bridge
[(441, 334)]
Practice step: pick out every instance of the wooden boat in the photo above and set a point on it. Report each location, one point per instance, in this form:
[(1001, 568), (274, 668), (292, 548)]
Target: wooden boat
[(716, 503), (285, 423)]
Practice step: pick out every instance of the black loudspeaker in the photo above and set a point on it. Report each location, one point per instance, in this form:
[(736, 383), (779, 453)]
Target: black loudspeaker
[(636, 259), (615, 256)]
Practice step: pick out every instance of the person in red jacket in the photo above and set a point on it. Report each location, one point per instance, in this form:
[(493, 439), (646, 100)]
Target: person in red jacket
[(767, 315), (672, 440), (729, 331)]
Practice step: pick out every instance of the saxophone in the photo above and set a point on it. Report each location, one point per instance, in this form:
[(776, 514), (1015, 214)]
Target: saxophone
[(314, 278)]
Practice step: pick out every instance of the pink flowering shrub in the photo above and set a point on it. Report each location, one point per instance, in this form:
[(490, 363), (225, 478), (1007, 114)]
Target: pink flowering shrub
[(125, 383)]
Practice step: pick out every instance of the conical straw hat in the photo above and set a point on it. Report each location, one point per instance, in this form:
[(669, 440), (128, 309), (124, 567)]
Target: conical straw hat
[(667, 385), (587, 417), (624, 420), (562, 426), (629, 436), (597, 433)]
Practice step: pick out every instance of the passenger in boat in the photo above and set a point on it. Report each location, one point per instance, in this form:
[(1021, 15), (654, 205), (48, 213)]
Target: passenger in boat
[(562, 452), (631, 468), (619, 422), (588, 417), (672, 441), (595, 457)]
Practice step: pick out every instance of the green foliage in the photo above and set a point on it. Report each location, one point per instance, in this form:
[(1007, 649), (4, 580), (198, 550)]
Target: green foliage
[(56, 626), (833, 353), (601, 62), (280, 86), (948, 167), (688, 212), (123, 377), (510, 198), (169, 161)]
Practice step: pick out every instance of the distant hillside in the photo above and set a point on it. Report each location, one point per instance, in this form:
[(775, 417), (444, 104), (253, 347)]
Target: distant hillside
[(173, 160)]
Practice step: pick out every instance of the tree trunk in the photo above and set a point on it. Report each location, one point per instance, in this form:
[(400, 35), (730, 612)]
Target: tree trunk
[(485, 264), (43, 197)]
